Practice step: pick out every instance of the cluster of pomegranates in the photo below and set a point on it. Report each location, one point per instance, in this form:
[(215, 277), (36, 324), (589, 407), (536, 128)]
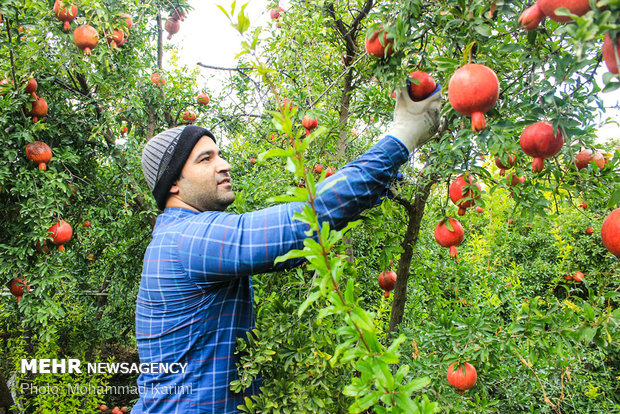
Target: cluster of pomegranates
[(534, 15), (85, 36), (173, 23)]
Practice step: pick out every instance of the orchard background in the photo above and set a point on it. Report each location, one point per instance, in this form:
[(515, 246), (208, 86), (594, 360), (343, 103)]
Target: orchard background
[(327, 339)]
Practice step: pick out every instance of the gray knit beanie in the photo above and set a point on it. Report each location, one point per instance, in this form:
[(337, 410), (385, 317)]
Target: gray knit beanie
[(164, 156)]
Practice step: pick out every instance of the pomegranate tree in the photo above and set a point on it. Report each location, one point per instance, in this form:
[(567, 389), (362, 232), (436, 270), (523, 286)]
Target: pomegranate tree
[(472, 91), (39, 153), (379, 47), (534, 15), (458, 193), (65, 13), (387, 281), (539, 141), (60, 233), (462, 376), (450, 238), (610, 232), (86, 38)]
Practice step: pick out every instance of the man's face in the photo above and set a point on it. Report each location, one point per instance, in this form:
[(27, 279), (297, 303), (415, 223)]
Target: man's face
[(204, 184)]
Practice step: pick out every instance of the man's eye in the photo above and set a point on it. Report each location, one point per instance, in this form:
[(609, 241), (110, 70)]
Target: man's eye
[(204, 159)]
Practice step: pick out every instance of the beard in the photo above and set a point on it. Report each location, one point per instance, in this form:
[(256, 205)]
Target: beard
[(203, 199)]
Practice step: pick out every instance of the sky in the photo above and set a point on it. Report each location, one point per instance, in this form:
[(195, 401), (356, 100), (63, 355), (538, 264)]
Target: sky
[(206, 36)]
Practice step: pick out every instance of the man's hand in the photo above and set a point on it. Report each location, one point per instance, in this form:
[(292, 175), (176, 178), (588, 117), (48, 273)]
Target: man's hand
[(415, 122)]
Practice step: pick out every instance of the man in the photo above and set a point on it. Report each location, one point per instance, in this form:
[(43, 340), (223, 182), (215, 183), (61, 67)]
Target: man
[(196, 294)]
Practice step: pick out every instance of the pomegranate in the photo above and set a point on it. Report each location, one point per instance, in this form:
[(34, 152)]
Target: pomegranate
[(610, 232), (611, 53), (376, 48), (158, 79), (172, 26), (123, 130), (18, 287), (534, 15), (579, 277), (538, 141), (512, 159), (458, 192), (309, 123), (462, 376), (479, 209), (589, 230), (275, 13), (189, 116), (60, 233), (31, 87), (423, 89), (4, 86), (39, 153), (116, 39), (253, 160), (179, 14), (472, 91), (86, 38), (203, 98), (330, 171), (583, 205), (39, 109), (387, 281), (127, 19), (583, 159), (318, 169), (450, 238), (65, 13)]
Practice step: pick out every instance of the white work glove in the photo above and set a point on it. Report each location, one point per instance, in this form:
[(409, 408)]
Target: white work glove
[(415, 122)]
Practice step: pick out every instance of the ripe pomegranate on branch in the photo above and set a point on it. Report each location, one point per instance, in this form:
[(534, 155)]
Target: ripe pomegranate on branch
[(462, 376), (450, 238), (539, 141), (65, 12), (380, 47), (472, 91), (534, 15), (458, 193), (387, 281)]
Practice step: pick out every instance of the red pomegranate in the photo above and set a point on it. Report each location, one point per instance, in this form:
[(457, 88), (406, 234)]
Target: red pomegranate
[(189, 116), (172, 26), (309, 123), (538, 141), (86, 38), (450, 238), (275, 13), (387, 281), (65, 13), (534, 15), (611, 53), (376, 48), (513, 179), (512, 159), (458, 192), (116, 39), (472, 91), (39, 109), (60, 233), (203, 98), (158, 79), (583, 159), (579, 277), (39, 153), (127, 19), (4, 86), (462, 376), (179, 14), (31, 87), (18, 287), (610, 232), (424, 88)]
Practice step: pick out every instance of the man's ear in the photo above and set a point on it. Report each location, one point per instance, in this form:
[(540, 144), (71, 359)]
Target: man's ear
[(175, 188)]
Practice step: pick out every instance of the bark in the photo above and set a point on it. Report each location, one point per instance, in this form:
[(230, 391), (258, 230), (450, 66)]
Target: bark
[(6, 399), (415, 212)]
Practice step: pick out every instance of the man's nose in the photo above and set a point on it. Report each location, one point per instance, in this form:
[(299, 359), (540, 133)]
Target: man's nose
[(223, 165)]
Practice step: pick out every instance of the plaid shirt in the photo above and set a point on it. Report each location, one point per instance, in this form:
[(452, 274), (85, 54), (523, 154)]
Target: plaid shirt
[(196, 293)]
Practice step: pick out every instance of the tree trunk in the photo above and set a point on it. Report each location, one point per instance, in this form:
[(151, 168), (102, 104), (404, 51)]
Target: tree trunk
[(415, 212)]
